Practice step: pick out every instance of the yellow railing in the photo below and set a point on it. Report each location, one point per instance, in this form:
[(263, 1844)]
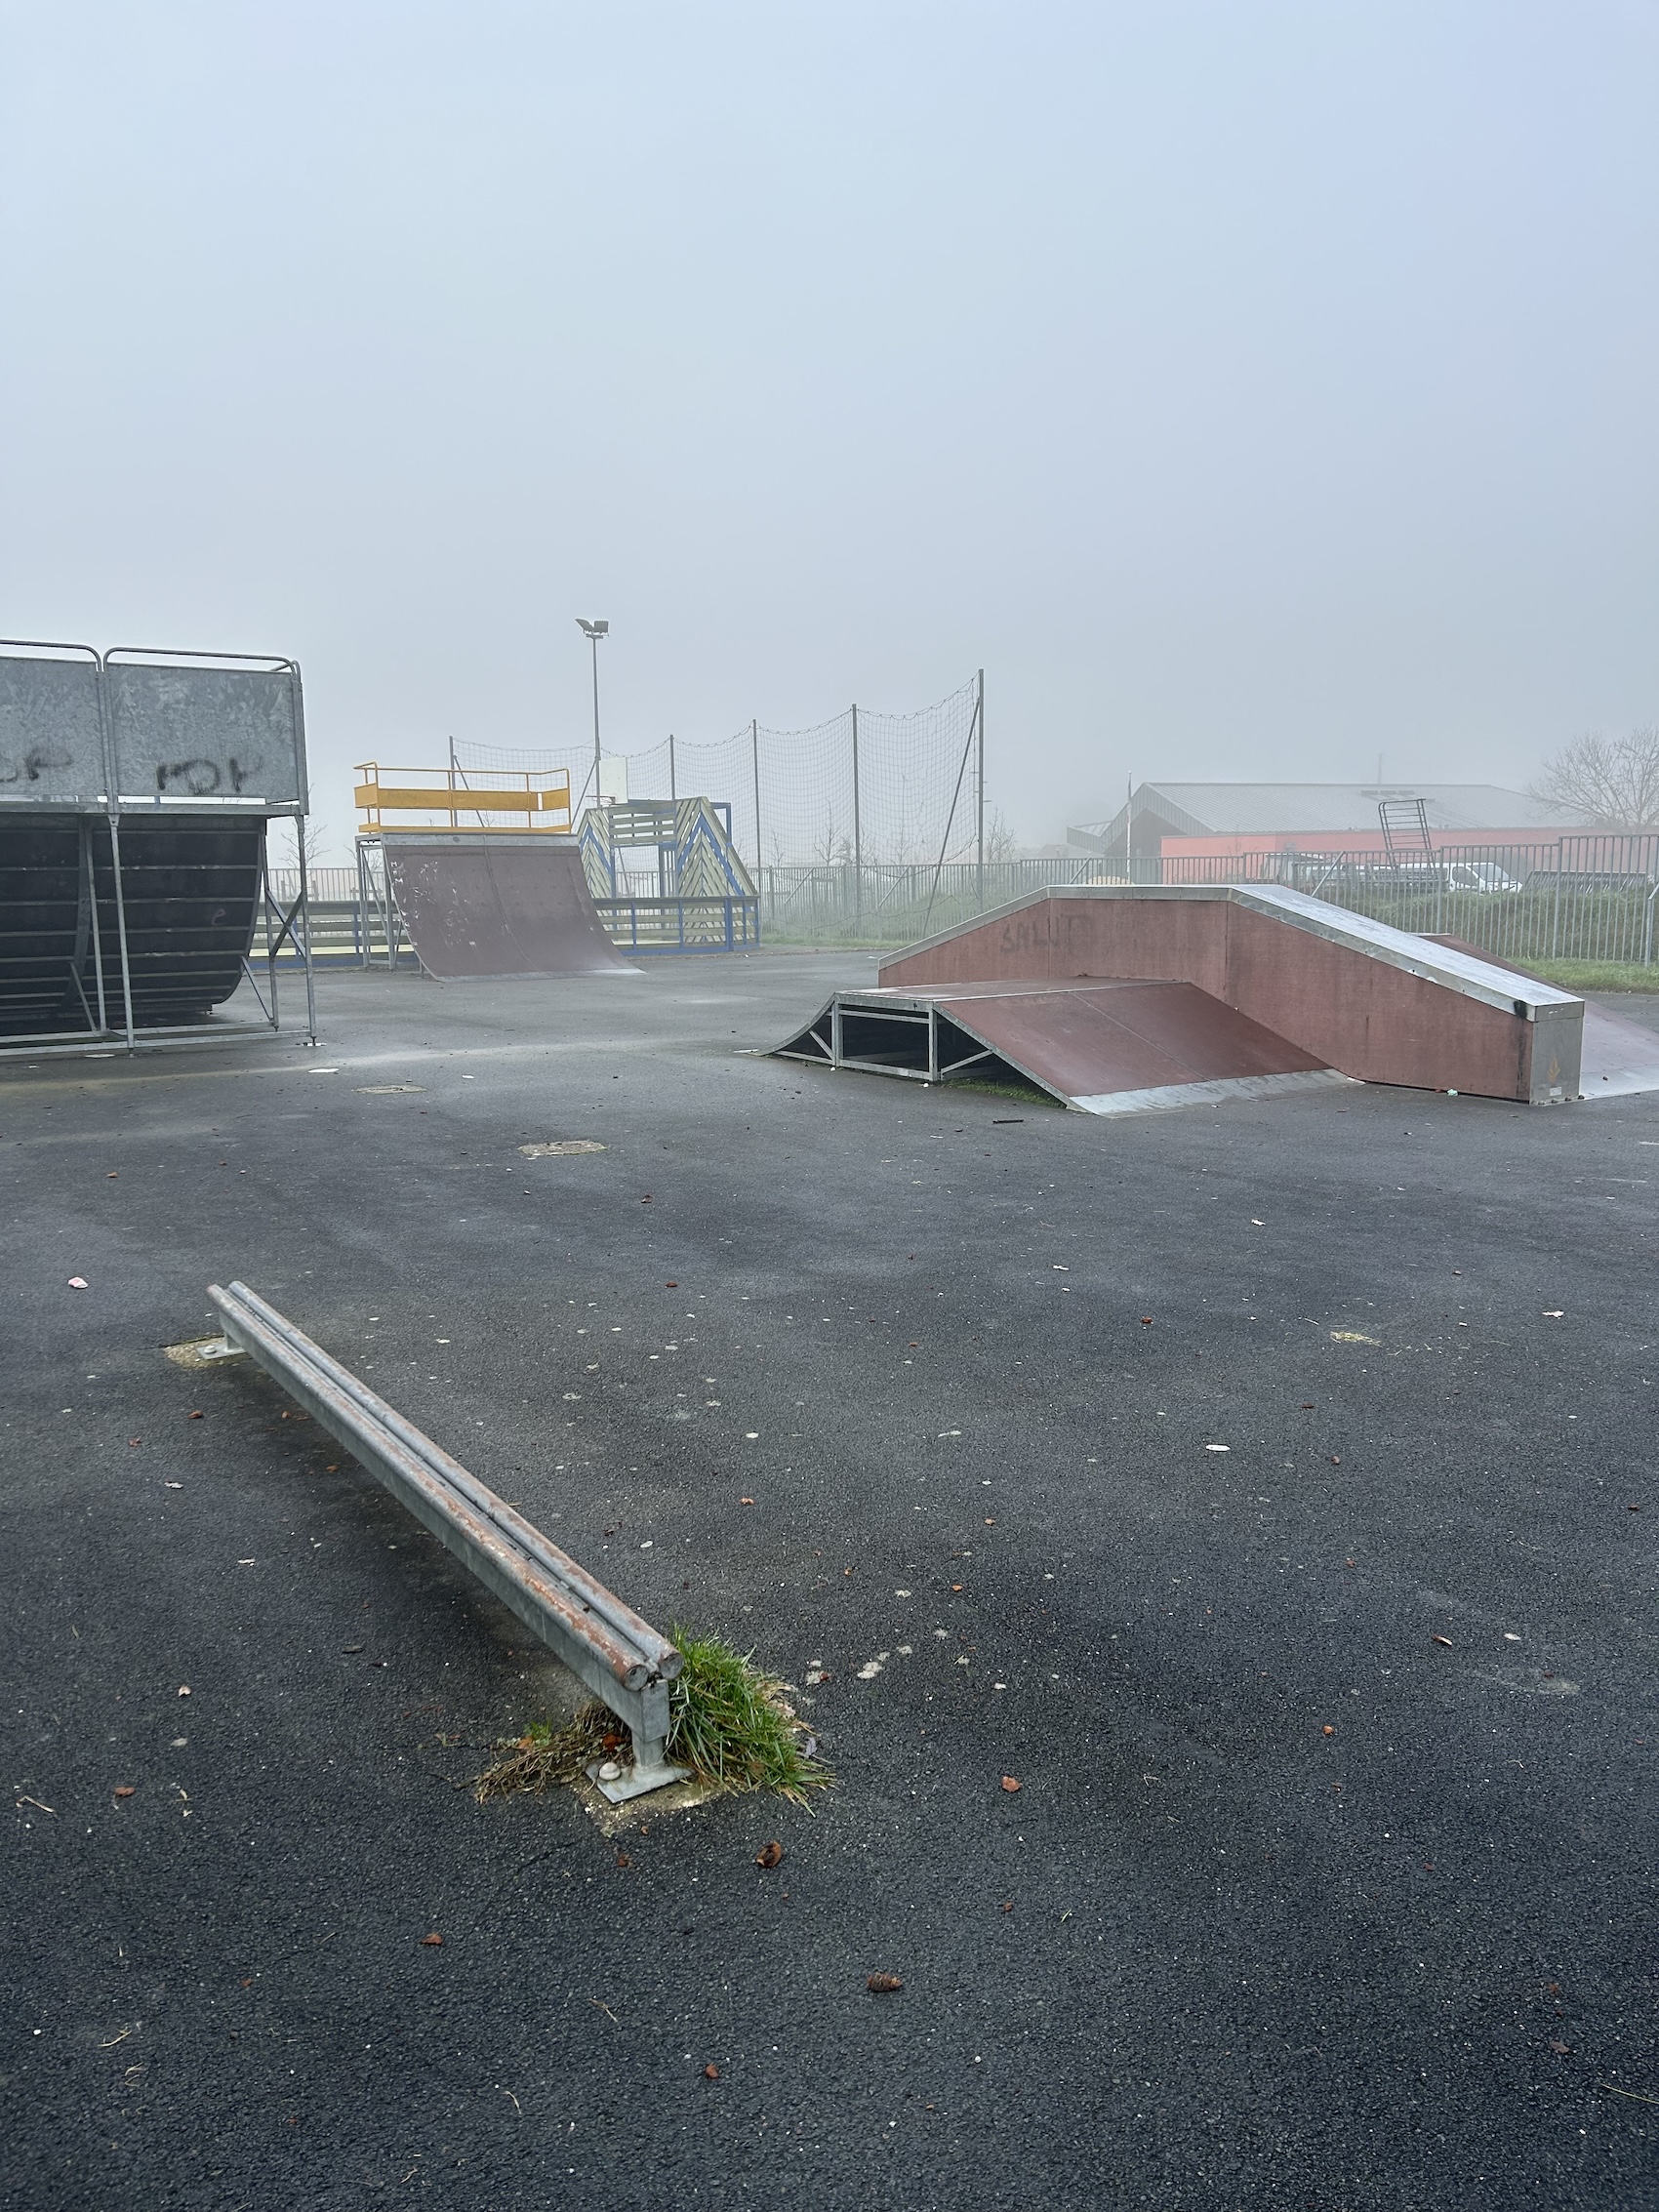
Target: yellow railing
[(450, 794)]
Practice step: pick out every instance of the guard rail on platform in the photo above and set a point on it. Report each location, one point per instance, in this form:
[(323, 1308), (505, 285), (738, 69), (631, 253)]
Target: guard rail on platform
[(620, 1658), (511, 800)]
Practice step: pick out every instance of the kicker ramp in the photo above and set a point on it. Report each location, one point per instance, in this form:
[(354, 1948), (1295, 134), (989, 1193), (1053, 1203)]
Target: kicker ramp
[(495, 903), (1236, 990)]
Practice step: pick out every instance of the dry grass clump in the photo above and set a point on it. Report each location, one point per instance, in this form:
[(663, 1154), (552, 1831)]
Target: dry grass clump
[(729, 1722)]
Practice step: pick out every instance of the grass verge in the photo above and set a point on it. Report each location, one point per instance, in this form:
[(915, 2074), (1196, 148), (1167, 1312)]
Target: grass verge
[(729, 1722), (1597, 975)]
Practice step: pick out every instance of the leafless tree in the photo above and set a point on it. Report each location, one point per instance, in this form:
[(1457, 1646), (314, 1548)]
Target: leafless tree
[(284, 844), (1612, 783), (831, 847), (1000, 840)]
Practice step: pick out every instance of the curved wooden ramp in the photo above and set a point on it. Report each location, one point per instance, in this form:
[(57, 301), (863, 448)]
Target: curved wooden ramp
[(481, 904)]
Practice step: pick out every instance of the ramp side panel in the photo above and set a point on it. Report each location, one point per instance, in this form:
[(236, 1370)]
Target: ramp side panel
[(1061, 939), (1381, 1023), (498, 906), (1617, 1057)]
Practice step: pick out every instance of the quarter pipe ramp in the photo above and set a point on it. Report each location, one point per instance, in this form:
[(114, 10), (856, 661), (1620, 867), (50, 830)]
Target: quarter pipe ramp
[(495, 903)]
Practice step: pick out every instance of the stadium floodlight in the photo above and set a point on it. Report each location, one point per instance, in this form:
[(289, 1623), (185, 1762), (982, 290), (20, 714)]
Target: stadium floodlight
[(593, 631)]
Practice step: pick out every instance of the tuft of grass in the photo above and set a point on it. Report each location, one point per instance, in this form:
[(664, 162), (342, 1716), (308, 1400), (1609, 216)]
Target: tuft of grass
[(544, 1756), (1597, 975), (1014, 1088), (729, 1722), (734, 1726)]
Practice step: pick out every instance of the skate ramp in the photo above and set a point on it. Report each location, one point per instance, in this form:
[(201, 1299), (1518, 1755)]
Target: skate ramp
[(486, 904), (1121, 1047), (1377, 1003)]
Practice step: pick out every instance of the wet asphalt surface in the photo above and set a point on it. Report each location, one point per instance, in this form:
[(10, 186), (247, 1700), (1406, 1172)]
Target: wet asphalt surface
[(1330, 1879)]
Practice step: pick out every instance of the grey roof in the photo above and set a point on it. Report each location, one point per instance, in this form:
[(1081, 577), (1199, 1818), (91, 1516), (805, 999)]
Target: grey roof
[(1200, 810)]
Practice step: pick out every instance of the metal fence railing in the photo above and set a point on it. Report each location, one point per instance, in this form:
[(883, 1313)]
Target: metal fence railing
[(1587, 899), (1579, 899)]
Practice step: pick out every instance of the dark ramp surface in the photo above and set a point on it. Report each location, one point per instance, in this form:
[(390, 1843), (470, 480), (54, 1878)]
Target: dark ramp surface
[(1206, 1959), (1097, 1042), (1118, 1047), (495, 905), (191, 893)]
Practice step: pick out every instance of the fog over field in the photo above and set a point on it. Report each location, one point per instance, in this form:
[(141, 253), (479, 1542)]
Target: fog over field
[(1251, 391)]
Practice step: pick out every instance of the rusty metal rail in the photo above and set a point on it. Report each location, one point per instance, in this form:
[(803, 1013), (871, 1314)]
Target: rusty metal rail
[(619, 1657)]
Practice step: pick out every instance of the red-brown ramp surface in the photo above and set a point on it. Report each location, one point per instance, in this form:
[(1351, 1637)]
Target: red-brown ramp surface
[(496, 905)]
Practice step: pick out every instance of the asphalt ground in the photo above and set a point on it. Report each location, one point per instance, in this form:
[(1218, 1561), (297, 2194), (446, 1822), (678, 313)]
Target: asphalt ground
[(1329, 1881)]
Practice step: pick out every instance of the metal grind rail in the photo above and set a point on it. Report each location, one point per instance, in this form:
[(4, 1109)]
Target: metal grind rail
[(619, 1657)]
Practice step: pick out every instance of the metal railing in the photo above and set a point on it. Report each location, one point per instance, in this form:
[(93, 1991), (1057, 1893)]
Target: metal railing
[(1586, 899), (606, 1645), (1591, 899)]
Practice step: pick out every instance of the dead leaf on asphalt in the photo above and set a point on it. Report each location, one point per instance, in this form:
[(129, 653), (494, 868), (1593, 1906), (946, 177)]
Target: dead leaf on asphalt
[(1009, 1783), (711, 2073), (769, 1855), (433, 1940), (125, 1789), (1446, 1641), (883, 1984)]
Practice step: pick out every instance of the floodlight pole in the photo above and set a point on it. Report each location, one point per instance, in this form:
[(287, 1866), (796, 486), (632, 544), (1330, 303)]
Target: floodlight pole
[(593, 641), (593, 631), (858, 828)]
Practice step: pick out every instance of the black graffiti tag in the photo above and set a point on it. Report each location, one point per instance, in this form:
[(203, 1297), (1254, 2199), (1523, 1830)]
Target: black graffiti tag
[(28, 769), (199, 778)]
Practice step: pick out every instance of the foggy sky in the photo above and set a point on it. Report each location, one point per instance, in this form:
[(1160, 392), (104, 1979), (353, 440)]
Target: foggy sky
[(1249, 388)]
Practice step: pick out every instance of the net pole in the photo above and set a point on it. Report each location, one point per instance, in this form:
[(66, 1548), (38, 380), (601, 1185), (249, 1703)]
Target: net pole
[(754, 753), (949, 819), (980, 888), (858, 829), (672, 794)]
